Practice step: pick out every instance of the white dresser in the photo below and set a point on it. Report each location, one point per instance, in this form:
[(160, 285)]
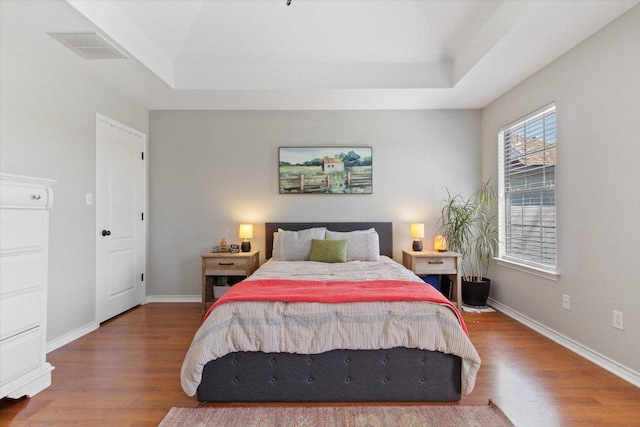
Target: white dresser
[(24, 242)]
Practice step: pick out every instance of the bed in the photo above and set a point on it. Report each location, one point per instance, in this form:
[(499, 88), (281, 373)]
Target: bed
[(294, 349)]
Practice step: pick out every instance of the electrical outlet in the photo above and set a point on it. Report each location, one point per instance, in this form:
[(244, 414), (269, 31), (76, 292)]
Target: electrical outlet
[(566, 302), (618, 320)]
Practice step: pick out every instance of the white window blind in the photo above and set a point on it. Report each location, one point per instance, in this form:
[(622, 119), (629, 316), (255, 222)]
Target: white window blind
[(527, 211)]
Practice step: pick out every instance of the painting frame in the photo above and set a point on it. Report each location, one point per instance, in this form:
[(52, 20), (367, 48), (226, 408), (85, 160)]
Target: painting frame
[(336, 169)]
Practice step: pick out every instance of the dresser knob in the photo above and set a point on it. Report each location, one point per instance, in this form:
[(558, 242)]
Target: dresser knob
[(36, 196), (106, 232)]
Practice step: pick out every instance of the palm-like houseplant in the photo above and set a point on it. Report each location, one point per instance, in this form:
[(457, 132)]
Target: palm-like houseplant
[(469, 230)]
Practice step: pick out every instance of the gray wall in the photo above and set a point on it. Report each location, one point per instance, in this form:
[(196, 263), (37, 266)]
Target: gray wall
[(47, 129), (210, 171), (596, 87)]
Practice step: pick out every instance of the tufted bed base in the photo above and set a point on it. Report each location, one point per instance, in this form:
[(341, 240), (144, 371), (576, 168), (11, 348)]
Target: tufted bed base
[(397, 374)]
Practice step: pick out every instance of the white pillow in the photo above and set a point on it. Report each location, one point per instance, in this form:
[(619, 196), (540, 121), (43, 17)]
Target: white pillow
[(362, 245), (295, 245)]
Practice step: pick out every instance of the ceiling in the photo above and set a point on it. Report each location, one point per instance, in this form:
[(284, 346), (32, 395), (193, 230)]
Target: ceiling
[(315, 54)]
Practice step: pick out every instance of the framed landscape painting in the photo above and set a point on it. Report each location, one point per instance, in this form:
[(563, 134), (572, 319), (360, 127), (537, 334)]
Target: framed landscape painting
[(326, 170)]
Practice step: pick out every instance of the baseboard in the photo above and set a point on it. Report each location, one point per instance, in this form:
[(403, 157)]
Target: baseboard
[(173, 298), (603, 361), (71, 336)]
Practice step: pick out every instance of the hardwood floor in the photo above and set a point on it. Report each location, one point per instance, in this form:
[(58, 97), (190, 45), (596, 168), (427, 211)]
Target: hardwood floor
[(127, 374)]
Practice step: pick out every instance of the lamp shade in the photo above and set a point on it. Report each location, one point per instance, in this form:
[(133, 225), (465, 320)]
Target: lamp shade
[(246, 231), (417, 231)]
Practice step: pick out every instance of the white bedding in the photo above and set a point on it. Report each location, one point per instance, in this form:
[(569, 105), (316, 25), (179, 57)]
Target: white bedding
[(311, 328)]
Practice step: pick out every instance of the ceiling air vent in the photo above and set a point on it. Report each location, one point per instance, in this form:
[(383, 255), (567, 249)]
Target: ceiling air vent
[(89, 45)]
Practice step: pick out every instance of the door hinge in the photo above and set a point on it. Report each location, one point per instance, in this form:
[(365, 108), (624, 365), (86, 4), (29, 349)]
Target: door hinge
[(142, 216), (142, 277)]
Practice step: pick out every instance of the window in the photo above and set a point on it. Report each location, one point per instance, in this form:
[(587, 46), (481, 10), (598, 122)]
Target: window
[(527, 184)]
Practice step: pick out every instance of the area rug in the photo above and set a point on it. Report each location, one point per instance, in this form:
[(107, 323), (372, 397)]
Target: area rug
[(338, 416)]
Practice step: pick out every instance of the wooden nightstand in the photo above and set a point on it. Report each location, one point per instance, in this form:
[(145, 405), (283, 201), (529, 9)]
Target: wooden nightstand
[(233, 267), (433, 262)]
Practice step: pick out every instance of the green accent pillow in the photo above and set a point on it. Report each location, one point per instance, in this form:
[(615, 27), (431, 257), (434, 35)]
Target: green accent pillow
[(328, 250)]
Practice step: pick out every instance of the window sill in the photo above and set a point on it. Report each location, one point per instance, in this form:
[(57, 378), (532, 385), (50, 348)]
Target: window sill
[(546, 274)]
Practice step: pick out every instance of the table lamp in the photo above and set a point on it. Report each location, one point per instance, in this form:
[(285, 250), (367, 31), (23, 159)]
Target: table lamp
[(440, 243), (417, 232), (246, 233)]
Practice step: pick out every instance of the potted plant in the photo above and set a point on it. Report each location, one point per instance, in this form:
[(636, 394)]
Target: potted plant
[(469, 230)]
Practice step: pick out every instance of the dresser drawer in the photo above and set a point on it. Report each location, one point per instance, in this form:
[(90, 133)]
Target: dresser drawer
[(20, 312), (25, 196), (223, 266), (22, 230), (20, 354), (21, 272), (434, 265)]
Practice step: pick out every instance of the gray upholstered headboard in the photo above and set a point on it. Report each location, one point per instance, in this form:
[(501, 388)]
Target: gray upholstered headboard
[(384, 229)]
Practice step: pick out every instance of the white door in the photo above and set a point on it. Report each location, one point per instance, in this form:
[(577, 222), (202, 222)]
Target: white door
[(120, 201)]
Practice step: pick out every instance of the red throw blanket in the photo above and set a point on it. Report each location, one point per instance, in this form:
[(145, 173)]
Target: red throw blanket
[(335, 292)]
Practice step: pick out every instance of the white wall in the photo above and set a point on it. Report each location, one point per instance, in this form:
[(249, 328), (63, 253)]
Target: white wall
[(209, 171), (47, 129), (596, 87)]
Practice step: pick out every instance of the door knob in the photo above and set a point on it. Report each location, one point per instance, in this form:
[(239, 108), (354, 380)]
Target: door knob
[(106, 232)]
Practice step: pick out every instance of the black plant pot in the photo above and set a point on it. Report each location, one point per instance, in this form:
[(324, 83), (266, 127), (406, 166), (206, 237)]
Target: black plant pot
[(475, 294)]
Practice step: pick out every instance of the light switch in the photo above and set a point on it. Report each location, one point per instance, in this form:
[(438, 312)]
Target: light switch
[(89, 199)]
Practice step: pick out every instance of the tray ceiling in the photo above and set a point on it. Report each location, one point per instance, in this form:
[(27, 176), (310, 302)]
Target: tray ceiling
[(316, 54)]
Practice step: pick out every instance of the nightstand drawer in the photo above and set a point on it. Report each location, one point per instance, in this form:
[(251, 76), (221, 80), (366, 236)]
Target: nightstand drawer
[(226, 266), (433, 265)]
